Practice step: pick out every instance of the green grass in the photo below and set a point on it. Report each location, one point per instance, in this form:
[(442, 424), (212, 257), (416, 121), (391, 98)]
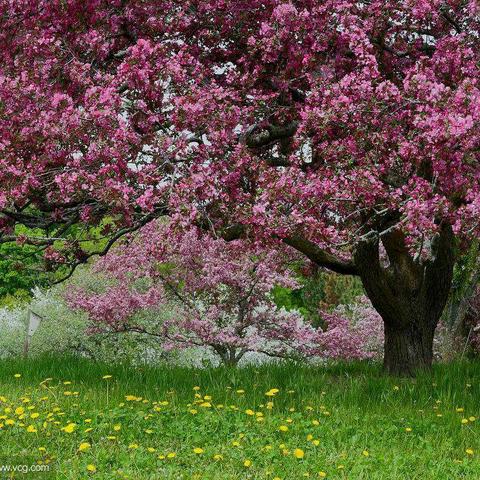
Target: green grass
[(351, 410)]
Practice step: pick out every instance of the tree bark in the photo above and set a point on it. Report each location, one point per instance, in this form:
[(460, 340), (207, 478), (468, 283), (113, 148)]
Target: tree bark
[(408, 349), (409, 294)]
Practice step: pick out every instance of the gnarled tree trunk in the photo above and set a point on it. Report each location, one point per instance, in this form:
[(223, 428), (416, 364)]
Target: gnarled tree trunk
[(409, 294)]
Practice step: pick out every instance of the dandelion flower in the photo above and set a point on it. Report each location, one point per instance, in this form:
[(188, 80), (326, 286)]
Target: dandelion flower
[(69, 428), (84, 447), (469, 451), (91, 468), (298, 453), (198, 450), (283, 428), (247, 463)]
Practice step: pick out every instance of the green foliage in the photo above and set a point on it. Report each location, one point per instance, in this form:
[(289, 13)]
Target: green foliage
[(465, 279), (19, 272), (350, 410), (319, 291)]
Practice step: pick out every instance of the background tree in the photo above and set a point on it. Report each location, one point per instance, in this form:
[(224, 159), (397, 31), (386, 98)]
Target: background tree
[(220, 296)]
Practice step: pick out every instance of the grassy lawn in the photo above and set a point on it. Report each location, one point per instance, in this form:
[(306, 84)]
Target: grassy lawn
[(344, 421)]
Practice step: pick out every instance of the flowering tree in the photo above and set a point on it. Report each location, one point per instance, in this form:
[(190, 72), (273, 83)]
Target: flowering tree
[(220, 296), (348, 130)]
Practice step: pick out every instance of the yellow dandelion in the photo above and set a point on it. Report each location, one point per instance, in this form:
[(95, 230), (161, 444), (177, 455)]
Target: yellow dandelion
[(469, 451), (91, 468), (84, 446), (171, 455), (31, 429), (198, 450), (298, 453), (365, 453), (69, 428), (272, 392), (322, 474), (217, 457), (247, 463), (283, 428), (17, 375)]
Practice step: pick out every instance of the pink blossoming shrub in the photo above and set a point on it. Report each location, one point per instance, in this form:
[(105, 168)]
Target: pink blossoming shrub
[(366, 329), (219, 293)]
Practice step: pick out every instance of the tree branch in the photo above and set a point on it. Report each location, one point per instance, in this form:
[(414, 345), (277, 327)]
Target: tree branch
[(321, 257), (257, 137)]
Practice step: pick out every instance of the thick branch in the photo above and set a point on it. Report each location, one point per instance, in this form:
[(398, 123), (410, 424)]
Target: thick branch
[(320, 257), (258, 137)]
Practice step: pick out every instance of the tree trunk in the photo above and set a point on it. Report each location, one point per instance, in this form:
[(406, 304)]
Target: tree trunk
[(409, 294), (408, 349)]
